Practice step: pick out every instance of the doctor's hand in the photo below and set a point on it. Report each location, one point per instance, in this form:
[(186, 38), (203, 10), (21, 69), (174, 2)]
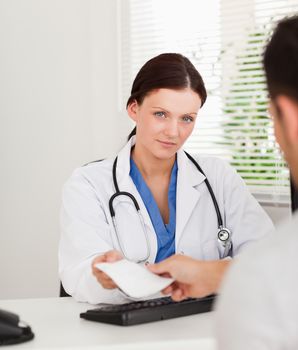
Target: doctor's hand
[(193, 278), (102, 278)]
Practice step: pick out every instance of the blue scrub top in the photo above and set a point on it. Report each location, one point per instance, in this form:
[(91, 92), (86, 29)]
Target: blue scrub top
[(165, 233)]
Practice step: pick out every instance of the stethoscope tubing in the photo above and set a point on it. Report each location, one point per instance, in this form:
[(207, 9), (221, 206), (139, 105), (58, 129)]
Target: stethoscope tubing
[(222, 231), (136, 204), (219, 218)]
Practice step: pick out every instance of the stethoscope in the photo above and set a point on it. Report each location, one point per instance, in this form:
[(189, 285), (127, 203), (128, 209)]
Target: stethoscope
[(224, 235)]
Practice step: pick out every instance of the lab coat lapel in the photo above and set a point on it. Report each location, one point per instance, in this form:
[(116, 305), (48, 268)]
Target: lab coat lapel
[(187, 194)]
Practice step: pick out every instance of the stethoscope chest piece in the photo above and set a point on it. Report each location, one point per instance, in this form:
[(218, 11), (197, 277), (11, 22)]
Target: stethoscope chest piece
[(223, 235)]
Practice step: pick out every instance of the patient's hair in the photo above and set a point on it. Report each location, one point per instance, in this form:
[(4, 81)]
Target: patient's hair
[(281, 59), (166, 71)]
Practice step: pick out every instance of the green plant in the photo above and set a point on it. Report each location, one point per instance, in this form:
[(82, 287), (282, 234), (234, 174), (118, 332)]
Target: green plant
[(247, 128)]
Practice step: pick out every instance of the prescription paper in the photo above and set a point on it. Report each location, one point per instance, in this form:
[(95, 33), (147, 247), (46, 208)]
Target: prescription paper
[(133, 279)]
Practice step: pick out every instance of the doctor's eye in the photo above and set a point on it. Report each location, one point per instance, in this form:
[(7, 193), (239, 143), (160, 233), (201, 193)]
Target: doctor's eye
[(187, 119), (160, 114)]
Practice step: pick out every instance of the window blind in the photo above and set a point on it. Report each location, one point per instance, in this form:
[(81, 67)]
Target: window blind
[(224, 39)]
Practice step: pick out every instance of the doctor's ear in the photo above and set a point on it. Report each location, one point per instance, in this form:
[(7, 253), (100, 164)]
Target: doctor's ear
[(132, 110), (289, 114)]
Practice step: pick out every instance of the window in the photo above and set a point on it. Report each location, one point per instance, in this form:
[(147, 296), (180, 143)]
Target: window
[(224, 39)]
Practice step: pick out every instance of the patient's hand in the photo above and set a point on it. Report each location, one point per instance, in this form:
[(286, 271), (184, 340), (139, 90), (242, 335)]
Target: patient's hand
[(102, 278), (193, 278)]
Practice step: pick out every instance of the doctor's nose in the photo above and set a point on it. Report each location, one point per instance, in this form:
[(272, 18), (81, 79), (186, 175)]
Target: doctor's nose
[(171, 129)]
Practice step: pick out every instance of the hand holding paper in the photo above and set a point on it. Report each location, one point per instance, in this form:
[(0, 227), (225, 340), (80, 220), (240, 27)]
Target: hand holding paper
[(102, 278), (133, 279)]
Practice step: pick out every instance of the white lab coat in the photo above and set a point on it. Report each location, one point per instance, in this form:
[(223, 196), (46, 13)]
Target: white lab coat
[(87, 229)]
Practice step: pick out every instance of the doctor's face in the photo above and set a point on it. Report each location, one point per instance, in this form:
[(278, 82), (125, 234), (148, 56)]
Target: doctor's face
[(164, 120)]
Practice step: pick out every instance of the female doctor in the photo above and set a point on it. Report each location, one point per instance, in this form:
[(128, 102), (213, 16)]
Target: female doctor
[(195, 206)]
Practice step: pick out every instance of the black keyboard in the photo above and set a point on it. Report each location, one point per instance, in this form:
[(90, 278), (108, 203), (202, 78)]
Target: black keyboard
[(148, 310)]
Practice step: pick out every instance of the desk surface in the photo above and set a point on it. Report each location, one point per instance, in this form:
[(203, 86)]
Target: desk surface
[(57, 325)]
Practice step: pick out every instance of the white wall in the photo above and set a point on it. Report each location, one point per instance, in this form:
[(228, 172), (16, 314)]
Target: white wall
[(278, 213), (58, 110)]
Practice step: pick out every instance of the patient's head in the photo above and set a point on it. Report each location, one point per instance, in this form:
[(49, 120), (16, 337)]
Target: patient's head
[(281, 68), (281, 59)]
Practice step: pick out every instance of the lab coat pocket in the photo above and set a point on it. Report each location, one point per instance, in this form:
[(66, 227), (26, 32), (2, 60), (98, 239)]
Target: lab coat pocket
[(211, 250)]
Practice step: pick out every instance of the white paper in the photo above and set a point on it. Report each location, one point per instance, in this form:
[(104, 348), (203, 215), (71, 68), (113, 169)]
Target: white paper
[(133, 279)]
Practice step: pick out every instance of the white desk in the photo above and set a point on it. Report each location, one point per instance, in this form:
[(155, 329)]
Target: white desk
[(57, 325)]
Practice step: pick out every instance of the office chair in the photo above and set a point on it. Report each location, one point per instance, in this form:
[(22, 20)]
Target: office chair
[(62, 292), (294, 196)]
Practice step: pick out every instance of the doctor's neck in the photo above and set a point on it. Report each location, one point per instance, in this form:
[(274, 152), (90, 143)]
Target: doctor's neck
[(151, 166)]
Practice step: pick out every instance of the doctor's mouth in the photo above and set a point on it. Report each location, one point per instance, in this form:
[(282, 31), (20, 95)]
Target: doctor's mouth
[(167, 144)]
